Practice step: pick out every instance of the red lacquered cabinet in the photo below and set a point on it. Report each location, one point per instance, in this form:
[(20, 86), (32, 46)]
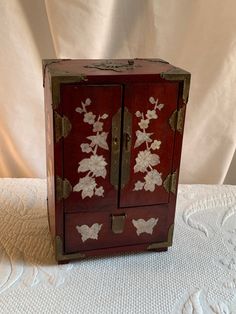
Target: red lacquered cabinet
[(114, 132)]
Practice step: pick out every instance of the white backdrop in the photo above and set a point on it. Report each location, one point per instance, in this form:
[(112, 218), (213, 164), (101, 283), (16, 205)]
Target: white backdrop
[(198, 36)]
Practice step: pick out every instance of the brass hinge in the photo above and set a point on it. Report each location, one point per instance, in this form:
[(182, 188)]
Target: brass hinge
[(63, 188), (170, 183), (163, 244), (62, 126), (176, 120), (177, 74), (60, 256)]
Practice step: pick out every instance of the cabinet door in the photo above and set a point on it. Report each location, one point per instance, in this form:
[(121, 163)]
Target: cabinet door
[(148, 142), (87, 159)]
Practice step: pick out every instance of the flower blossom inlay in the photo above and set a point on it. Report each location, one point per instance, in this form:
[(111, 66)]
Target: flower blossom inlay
[(94, 165), (147, 159)]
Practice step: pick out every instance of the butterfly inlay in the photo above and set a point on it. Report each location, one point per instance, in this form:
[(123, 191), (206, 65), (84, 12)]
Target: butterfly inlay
[(143, 226), (89, 232)]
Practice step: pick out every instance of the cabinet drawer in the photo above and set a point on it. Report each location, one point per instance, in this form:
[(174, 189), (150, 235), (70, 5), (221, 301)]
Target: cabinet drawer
[(84, 231)]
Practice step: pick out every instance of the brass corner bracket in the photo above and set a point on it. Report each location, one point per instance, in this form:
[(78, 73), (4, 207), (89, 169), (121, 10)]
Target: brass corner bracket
[(63, 78), (60, 256), (168, 243), (177, 74)]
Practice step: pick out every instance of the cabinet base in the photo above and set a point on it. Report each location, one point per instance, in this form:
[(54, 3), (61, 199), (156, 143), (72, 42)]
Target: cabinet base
[(66, 261)]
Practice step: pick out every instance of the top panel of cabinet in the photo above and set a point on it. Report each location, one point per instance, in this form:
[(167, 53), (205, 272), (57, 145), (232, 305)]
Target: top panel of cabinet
[(105, 67)]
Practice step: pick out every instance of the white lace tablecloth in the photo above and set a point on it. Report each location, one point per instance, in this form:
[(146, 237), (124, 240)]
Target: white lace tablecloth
[(196, 276)]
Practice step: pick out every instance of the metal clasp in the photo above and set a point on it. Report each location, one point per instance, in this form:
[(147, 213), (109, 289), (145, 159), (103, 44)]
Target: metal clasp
[(118, 223)]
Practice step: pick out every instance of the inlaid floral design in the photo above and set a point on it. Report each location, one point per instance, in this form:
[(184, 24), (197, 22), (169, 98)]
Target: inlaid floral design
[(143, 226), (147, 159), (95, 165), (89, 232)]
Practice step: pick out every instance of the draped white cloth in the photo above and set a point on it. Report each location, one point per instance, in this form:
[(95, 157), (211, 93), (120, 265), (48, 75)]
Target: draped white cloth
[(198, 36)]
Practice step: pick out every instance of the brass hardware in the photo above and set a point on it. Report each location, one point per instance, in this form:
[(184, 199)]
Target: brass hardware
[(176, 120), (62, 126), (111, 65), (64, 257), (126, 149), (59, 78), (63, 188), (118, 223), (47, 62), (168, 243), (172, 120), (180, 120), (176, 74), (170, 183), (115, 149), (153, 60)]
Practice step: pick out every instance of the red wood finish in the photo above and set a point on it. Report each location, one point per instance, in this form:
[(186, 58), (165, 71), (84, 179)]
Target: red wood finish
[(137, 100), (82, 93)]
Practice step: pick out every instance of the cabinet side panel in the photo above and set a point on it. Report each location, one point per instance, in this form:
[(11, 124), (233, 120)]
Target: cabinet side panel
[(49, 153), (177, 155)]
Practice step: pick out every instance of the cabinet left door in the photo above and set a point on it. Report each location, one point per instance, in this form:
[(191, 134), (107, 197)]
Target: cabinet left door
[(91, 149)]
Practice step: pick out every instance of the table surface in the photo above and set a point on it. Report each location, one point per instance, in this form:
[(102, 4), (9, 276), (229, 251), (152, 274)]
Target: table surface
[(197, 275)]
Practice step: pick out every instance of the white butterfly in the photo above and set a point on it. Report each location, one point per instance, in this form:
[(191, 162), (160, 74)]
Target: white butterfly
[(89, 232), (143, 226)]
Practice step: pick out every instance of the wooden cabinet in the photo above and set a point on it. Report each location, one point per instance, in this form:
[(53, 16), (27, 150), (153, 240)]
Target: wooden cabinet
[(114, 132)]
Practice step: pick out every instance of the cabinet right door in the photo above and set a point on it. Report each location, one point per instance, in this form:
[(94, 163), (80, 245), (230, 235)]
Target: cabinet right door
[(148, 143)]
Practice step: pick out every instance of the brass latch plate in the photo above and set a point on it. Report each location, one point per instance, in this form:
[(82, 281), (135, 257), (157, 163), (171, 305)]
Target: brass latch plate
[(118, 223)]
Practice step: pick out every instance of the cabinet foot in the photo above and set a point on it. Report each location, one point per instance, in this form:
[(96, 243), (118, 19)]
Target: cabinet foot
[(163, 249), (63, 262)]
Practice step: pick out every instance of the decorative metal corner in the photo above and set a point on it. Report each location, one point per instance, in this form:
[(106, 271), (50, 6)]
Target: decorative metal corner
[(62, 126), (63, 188), (170, 183), (48, 62), (59, 79), (166, 244), (111, 65), (60, 256), (176, 120), (177, 74)]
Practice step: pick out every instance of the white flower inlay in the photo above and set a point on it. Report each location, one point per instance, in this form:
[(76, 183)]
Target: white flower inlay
[(146, 159), (144, 226), (95, 165), (89, 232)]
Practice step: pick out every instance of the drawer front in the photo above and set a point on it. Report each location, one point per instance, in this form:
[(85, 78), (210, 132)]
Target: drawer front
[(84, 231)]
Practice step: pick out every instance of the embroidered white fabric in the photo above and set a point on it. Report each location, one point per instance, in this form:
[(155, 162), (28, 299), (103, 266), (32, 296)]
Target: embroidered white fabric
[(197, 275)]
